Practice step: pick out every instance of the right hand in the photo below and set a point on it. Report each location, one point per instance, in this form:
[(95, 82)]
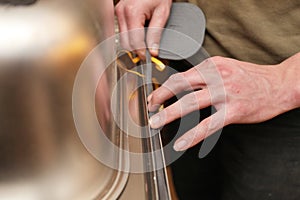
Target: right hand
[(132, 14), (241, 92)]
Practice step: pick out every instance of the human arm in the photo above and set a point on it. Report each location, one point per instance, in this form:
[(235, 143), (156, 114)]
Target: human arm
[(241, 92), (132, 16)]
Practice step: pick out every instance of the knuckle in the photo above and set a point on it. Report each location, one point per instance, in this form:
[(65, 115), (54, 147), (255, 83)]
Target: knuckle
[(162, 12), (136, 45), (172, 77), (178, 77), (123, 44), (130, 10), (224, 70), (170, 111), (157, 97), (189, 100), (222, 66), (119, 9), (217, 60), (132, 43), (202, 129), (136, 39), (154, 33), (173, 82)]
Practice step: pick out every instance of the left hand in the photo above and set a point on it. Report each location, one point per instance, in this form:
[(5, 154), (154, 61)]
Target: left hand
[(132, 16), (241, 92)]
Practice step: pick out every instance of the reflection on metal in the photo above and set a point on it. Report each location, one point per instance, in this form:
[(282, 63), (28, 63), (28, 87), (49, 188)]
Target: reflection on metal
[(41, 48), (135, 88), (152, 142)]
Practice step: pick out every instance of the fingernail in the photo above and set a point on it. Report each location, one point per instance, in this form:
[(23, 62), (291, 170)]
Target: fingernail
[(154, 121), (154, 49), (180, 145)]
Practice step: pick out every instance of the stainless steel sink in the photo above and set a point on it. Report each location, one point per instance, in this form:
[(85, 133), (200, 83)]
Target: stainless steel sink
[(49, 146), (41, 48)]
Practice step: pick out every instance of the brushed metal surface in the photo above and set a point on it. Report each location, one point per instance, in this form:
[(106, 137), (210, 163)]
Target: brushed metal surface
[(41, 48), (42, 156)]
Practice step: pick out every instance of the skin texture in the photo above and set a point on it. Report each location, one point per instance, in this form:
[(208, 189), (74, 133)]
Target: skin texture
[(241, 92), (133, 14)]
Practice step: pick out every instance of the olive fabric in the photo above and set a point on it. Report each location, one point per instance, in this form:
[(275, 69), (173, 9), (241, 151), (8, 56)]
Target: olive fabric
[(258, 31), (251, 161)]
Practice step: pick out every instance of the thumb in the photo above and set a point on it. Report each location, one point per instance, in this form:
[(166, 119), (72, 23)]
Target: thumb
[(155, 29)]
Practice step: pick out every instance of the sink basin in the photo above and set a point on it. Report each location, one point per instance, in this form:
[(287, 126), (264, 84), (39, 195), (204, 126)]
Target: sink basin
[(42, 46)]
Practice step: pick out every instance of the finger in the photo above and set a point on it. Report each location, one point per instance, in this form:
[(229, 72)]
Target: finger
[(175, 84), (157, 23), (124, 39), (187, 104), (136, 35), (208, 71), (207, 127)]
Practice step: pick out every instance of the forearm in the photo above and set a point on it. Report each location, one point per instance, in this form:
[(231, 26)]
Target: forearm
[(290, 76)]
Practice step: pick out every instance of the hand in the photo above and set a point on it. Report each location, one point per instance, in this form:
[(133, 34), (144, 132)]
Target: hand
[(241, 92), (132, 15)]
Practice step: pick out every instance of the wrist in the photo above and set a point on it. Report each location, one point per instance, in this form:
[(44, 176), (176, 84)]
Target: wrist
[(290, 78)]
